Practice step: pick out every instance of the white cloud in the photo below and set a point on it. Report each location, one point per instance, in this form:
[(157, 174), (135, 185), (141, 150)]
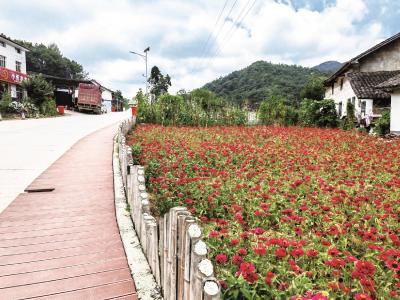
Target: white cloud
[(99, 34)]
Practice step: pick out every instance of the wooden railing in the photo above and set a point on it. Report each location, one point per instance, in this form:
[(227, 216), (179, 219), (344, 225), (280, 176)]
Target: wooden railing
[(172, 243)]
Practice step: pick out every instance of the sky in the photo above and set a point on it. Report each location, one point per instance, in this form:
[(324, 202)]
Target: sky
[(196, 41)]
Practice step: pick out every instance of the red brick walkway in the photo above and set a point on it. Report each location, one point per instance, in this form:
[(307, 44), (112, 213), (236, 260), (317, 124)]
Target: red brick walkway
[(65, 244)]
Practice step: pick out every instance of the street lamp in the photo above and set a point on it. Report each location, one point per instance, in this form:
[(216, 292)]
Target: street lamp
[(145, 59)]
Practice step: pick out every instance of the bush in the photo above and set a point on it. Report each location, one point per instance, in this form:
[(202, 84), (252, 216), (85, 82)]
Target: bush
[(5, 102), (40, 93), (321, 113), (349, 121), (49, 108), (31, 110), (274, 111), (382, 126), (136, 152), (199, 108)]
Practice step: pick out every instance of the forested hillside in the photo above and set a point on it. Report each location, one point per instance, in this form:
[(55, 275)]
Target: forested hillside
[(262, 79), (329, 66)]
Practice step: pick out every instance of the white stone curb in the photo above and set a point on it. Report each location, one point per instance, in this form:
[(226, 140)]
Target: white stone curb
[(146, 286)]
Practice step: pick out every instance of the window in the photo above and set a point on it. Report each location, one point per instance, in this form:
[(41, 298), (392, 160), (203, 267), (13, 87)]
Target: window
[(3, 44), (353, 101), (340, 109), (20, 93), (2, 61), (18, 50), (333, 88), (341, 83), (363, 107), (18, 66)]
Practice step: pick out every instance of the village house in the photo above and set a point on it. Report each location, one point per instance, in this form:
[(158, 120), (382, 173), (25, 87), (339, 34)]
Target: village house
[(12, 67), (359, 81)]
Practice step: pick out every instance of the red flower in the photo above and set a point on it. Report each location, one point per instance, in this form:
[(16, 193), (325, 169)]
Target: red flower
[(260, 250), (213, 234), (237, 260), (268, 278), (221, 258), (363, 268), (333, 252), (362, 296), (312, 253), (234, 242), (242, 251), (280, 252), (297, 252)]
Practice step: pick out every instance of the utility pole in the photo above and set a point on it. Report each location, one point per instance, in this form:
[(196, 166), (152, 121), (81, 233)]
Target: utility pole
[(145, 60)]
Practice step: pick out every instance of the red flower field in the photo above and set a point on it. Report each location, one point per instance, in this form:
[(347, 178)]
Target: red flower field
[(289, 213)]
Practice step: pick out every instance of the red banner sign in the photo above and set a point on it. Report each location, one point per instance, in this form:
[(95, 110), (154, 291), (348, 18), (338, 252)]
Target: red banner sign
[(12, 76)]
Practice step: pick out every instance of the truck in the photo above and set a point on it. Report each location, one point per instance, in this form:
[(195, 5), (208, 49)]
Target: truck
[(89, 98)]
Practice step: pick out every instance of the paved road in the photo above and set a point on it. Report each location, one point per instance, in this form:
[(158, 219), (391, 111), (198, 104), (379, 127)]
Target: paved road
[(65, 244), (28, 147)]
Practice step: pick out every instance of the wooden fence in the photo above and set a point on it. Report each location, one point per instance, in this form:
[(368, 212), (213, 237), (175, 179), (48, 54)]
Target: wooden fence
[(172, 244)]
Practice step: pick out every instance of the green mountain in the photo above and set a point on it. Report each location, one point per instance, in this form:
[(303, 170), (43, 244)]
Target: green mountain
[(262, 79), (328, 66)]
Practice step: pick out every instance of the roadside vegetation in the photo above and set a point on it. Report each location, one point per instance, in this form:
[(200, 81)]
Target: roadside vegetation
[(37, 102)]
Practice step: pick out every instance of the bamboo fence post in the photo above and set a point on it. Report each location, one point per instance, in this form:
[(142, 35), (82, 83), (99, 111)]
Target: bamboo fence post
[(184, 255), (211, 289), (180, 252), (193, 234), (161, 248), (172, 250), (199, 252), (164, 261)]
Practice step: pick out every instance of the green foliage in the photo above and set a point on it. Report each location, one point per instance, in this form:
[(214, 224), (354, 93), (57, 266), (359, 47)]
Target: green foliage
[(159, 83), (49, 60), (261, 80), (273, 110), (382, 126), (169, 107), (313, 113), (199, 108), (136, 153), (349, 121), (40, 92), (314, 88), (5, 102), (49, 108), (31, 110)]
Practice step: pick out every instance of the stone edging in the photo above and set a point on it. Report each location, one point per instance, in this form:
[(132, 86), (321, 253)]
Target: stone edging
[(146, 286)]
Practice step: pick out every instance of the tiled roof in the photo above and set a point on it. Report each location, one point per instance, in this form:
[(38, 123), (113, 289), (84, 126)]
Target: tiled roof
[(347, 64), (365, 84), (391, 83), (3, 36)]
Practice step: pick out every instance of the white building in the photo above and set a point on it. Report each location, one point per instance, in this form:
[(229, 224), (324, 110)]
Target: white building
[(106, 95), (12, 67), (393, 87), (358, 79)]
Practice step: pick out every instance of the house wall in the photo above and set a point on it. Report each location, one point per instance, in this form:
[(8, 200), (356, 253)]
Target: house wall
[(341, 95), (395, 112), (384, 59), (12, 56), (106, 95)]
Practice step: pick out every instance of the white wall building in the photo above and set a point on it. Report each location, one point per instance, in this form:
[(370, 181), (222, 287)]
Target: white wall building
[(393, 87), (12, 67), (358, 79)]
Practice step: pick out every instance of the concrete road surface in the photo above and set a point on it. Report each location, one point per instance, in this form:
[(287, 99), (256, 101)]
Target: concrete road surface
[(28, 147)]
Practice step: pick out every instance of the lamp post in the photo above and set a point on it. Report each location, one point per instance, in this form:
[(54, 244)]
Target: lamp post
[(145, 59)]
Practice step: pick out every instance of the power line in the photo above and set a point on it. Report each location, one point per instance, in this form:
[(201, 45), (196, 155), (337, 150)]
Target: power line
[(214, 27), (219, 31), (227, 37)]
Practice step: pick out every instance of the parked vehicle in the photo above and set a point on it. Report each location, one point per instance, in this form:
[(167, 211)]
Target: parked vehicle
[(89, 98)]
